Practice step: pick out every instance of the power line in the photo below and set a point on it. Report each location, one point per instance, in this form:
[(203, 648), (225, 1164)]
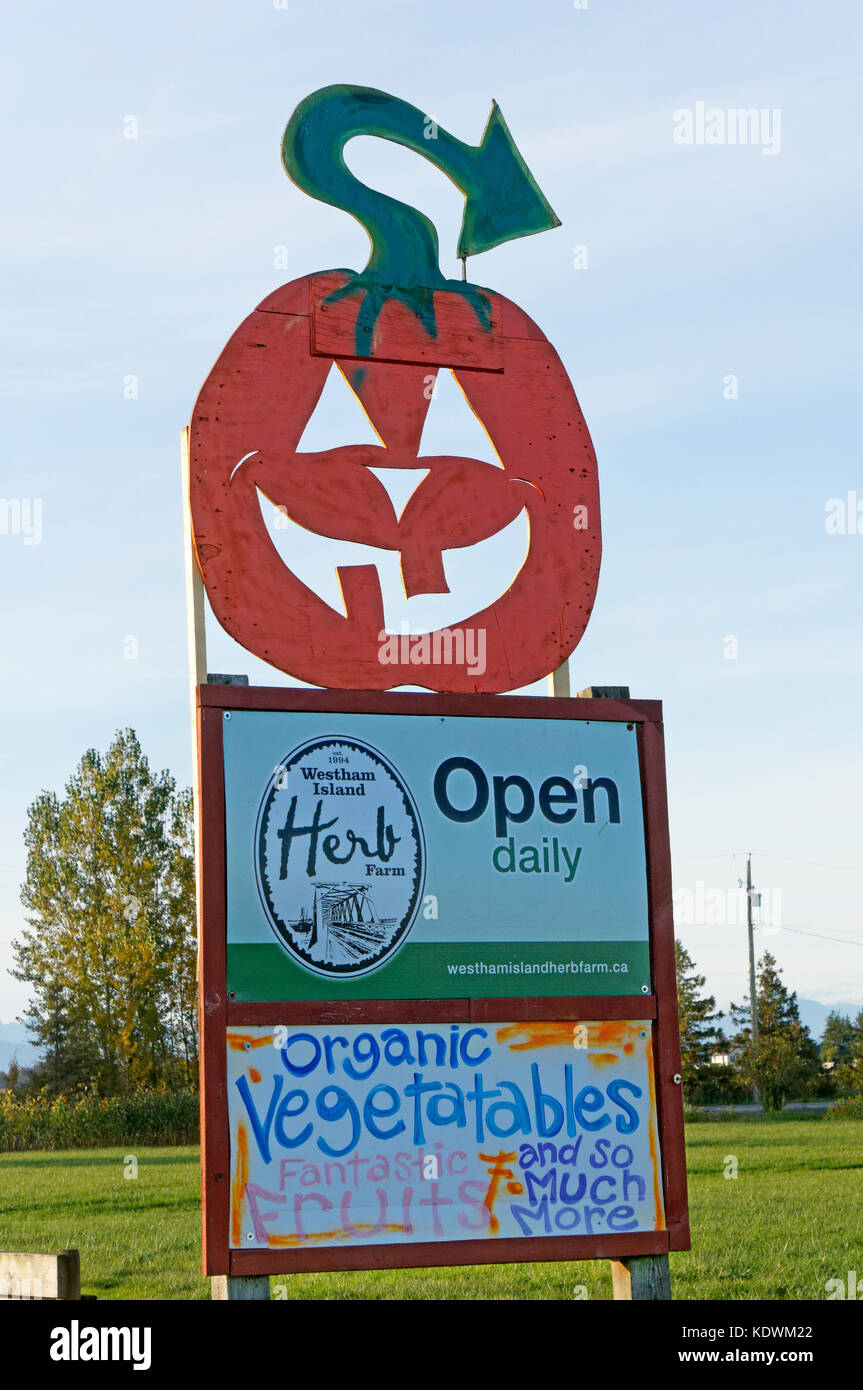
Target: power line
[(687, 858), (822, 936), (814, 863), (798, 931), (782, 859)]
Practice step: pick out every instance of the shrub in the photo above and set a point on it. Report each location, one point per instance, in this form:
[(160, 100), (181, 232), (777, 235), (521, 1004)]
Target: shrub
[(846, 1108), (695, 1114)]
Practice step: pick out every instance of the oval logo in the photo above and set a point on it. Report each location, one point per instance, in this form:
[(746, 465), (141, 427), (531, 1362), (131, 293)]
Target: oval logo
[(340, 857)]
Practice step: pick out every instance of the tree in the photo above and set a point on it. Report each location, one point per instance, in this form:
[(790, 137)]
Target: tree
[(848, 1072), (68, 1056), (783, 1060), (110, 947), (698, 1035), (837, 1042)]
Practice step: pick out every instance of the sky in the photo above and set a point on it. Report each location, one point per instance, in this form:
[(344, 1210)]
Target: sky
[(704, 298)]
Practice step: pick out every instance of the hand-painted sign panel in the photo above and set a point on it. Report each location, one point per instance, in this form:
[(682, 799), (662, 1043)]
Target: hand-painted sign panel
[(356, 1135), (413, 857)]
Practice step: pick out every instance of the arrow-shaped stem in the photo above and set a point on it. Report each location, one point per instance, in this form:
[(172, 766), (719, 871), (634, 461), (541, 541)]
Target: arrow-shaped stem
[(502, 199)]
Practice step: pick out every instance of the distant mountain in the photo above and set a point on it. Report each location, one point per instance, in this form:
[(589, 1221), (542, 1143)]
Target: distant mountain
[(15, 1043), (813, 1014)]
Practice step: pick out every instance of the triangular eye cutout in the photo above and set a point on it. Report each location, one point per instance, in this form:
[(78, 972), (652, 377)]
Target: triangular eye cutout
[(337, 419), (451, 428)]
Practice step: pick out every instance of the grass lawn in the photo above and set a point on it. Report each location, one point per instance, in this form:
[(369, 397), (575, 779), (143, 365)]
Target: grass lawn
[(791, 1220)]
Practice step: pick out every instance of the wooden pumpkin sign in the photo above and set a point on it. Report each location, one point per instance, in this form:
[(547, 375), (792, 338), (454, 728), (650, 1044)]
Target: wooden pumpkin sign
[(389, 330)]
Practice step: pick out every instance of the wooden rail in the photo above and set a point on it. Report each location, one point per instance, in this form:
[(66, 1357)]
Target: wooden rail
[(28, 1277)]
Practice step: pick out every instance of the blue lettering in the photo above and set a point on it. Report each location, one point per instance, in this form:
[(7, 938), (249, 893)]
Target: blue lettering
[(416, 1091), (524, 1214), (594, 1191), (397, 1048), (589, 1100), (548, 1180), (599, 1157), (454, 1113), (285, 1112), (544, 1103), (369, 1052), (329, 1044), (517, 1108), (619, 1219), (261, 1133), (439, 1049), (341, 1106), (629, 1121), (294, 1068), (580, 1189), (465, 1056), (372, 1113)]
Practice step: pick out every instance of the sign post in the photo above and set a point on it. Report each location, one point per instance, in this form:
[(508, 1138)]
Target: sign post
[(437, 983)]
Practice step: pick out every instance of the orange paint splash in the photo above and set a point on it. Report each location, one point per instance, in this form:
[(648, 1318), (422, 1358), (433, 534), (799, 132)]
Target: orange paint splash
[(288, 1241), (237, 1041), (535, 1035), (602, 1059), (659, 1224), (238, 1184), (254, 1074), (610, 1033), (613, 1032), (497, 1173)]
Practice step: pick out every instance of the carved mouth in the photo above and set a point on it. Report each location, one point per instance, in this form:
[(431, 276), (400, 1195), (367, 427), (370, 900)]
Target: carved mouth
[(477, 575)]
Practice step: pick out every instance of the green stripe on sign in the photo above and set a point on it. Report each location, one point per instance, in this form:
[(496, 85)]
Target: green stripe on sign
[(452, 970)]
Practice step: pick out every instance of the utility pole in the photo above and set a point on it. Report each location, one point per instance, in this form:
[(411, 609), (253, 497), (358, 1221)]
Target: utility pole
[(753, 999)]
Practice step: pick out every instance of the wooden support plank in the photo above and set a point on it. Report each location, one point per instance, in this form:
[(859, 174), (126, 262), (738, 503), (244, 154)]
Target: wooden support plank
[(196, 633), (242, 1287), (56, 1278), (636, 1276), (196, 641), (441, 1254), (558, 682), (278, 697), (459, 341), (604, 692), (369, 1011), (555, 1010), (215, 1145), (641, 1277), (666, 1030)]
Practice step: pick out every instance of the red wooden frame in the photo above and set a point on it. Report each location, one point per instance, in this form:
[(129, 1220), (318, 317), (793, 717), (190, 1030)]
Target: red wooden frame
[(217, 1013)]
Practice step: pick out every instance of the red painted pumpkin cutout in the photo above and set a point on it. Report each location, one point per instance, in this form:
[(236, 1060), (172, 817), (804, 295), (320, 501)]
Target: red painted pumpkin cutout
[(247, 423)]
